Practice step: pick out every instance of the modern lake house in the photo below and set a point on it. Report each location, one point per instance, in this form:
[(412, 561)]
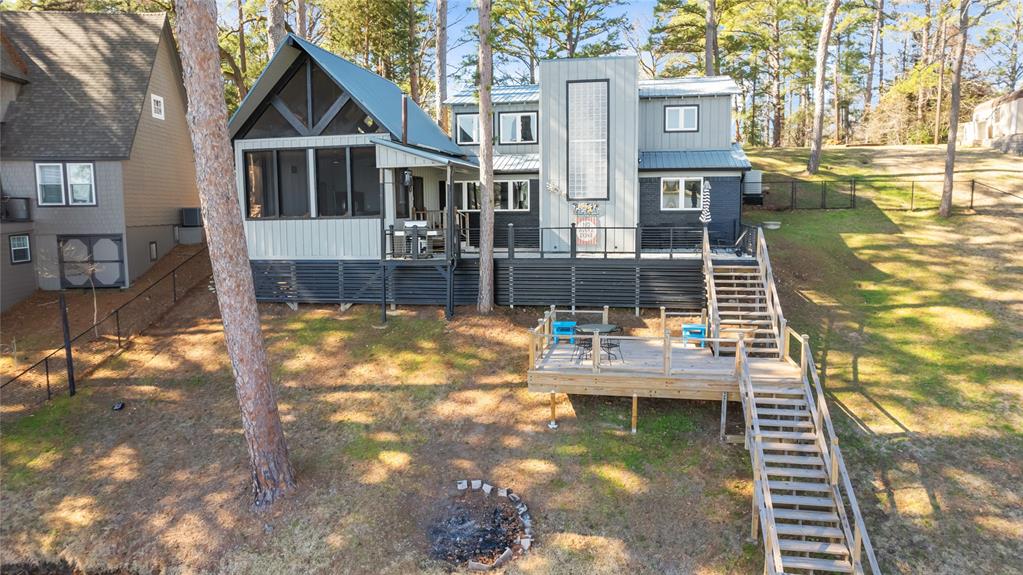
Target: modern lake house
[(96, 156), (351, 192)]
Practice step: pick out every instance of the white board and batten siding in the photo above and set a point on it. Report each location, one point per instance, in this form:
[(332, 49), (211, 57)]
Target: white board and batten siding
[(620, 209), (307, 238), (714, 128)]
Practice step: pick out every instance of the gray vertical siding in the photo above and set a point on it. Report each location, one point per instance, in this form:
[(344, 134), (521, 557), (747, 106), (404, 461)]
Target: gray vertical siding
[(620, 209), (498, 108), (106, 217), (715, 124)]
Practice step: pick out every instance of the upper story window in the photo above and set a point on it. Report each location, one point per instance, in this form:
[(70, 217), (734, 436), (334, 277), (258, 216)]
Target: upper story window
[(21, 249), (467, 128), (80, 189), (588, 164), (517, 127), (682, 118), (157, 106), (509, 195), (681, 194)]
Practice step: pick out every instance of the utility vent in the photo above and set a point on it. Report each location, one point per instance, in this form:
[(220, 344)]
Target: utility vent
[(191, 218)]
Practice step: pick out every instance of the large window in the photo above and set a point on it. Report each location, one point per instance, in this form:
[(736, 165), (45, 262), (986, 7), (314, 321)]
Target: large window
[(365, 182), (517, 127), (681, 118), (681, 194), (293, 183), (21, 250), (509, 195), (72, 184), (587, 140), (467, 128), (332, 182), (260, 184)]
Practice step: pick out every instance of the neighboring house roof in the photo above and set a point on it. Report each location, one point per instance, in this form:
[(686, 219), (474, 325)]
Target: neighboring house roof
[(89, 76), (515, 94), (688, 86), (733, 159), (656, 88), (379, 97)]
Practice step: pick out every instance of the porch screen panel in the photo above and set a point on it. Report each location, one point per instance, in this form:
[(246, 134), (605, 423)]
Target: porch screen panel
[(260, 175), (587, 140), (365, 182), (331, 182), (293, 182)]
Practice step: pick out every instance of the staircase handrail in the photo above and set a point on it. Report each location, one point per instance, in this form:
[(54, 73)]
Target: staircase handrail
[(761, 488), (838, 475), (713, 316), (778, 323)]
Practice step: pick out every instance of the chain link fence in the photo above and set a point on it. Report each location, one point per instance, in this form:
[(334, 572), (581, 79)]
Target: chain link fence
[(885, 193)]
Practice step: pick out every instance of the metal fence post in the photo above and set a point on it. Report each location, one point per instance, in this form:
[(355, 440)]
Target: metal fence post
[(511, 240), (46, 364), (912, 196), (973, 187), (824, 194), (174, 284), (853, 204), (792, 194), (572, 241), (117, 323), (639, 240), (68, 359)]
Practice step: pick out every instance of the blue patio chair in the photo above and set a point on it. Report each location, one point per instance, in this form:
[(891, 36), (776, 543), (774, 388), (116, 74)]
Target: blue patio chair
[(564, 328), (695, 331)]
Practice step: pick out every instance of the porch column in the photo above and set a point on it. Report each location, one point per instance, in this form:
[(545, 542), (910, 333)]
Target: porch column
[(449, 242)]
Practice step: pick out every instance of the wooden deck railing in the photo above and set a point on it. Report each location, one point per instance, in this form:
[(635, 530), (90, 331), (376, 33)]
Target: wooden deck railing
[(778, 323), (838, 475), (763, 506), (713, 316)]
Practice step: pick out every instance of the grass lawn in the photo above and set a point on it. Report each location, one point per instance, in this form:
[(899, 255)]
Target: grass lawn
[(916, 321)]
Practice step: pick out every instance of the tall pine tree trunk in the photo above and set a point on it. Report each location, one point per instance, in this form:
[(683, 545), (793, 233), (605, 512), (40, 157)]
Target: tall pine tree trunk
[(818, 86), (953, 114), (875, 37), (941, 80), (300, 16), (838, 89), (272, 475), (413, 65), (442, 63), (276, 32), (710, 52), (486, 67)]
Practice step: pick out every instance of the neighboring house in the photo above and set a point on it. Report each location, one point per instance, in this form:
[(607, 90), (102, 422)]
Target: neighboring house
[(347, 186), (95, 157), (997, 123)]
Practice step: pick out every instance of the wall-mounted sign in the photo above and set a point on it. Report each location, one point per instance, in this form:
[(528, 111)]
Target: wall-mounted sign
[(586, 230), (588, 208)]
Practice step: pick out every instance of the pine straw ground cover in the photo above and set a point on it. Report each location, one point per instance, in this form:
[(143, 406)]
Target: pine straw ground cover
[(380, 424)]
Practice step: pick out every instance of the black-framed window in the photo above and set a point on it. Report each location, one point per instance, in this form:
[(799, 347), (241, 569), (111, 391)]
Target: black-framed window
[(509, 195), (20, 248), (467, 128), (401, 194), (260, 184), (65, 184), (588, 111), (332, 182), (685, 118), (517, 127), (365, 182), (293, 183)]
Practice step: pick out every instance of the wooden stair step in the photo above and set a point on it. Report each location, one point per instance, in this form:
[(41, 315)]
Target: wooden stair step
[(784, 412), (796, 472), (786, 446), (822, 547), (809, 563), (804, 486), (793, 459), (770, 422), (779, 401), (804, 515), (804, 501), (778, 390), (809, 530), (787, 435)]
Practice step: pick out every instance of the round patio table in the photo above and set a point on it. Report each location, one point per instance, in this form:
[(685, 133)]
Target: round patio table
[(601, 328)]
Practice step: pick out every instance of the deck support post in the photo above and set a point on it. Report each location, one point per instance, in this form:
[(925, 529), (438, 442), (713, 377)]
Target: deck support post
[(664, 318), (667, 353), (635, 411), (755, 523), (554, 415), (595, 352), (724, 414), (604, 316)]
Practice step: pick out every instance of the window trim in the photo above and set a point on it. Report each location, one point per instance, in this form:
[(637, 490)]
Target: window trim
[(153, 99), (11, 248), (682, 117), (39, 189), (681, 188), (607, 143), (92, 182), (500, 133), (458, 135), (465, 195)]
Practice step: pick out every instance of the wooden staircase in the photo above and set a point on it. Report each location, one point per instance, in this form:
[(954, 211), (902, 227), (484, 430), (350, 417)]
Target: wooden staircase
[(804, 507)]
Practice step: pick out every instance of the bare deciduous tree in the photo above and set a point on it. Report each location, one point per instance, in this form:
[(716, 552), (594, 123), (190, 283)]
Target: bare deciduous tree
[(272, 475), (485, 303), (818, 86)]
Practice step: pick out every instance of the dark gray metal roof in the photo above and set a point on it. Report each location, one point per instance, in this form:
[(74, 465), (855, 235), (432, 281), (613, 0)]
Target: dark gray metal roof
[(378, 96), (500, 95), (88, 74), (733, 159)]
